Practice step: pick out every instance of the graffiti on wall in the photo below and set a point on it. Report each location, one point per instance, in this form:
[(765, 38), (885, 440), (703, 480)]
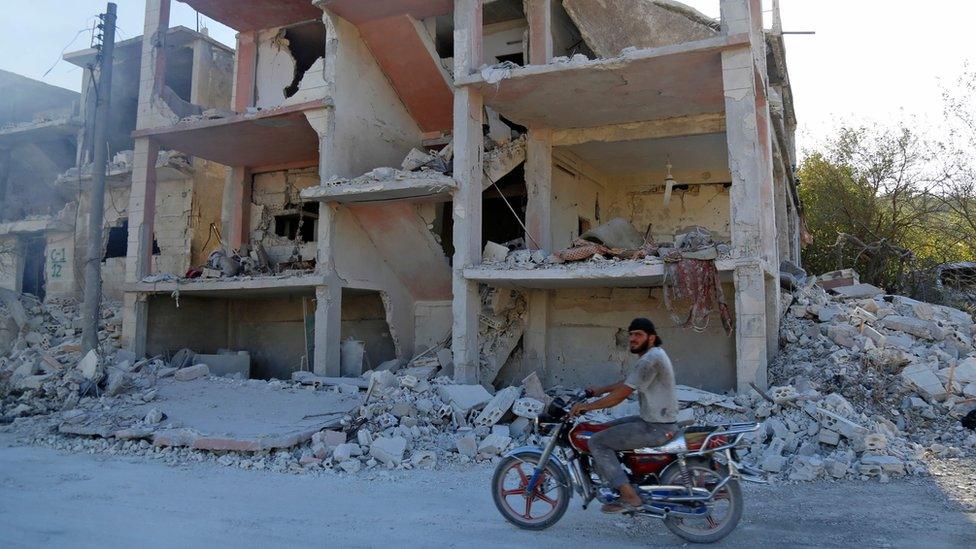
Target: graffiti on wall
[(58, 258)]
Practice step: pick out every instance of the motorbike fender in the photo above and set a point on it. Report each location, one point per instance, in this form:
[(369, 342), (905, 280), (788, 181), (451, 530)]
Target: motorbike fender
[(536, 451)]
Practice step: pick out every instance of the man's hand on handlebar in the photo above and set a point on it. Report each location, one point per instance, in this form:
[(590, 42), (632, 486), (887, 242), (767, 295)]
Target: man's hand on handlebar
[(578, 409)]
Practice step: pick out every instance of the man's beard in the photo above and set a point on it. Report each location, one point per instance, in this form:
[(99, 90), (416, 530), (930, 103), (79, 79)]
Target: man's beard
[(642, 349)]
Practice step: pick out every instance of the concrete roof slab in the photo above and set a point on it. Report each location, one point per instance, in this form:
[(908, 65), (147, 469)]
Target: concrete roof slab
[(648, 84), (247, 15), (430, 188), (272, 137), (358, 11), (624, 274)]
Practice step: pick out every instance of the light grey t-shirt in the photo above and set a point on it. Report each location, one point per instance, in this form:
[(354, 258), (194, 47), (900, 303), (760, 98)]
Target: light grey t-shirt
[(653, 381)]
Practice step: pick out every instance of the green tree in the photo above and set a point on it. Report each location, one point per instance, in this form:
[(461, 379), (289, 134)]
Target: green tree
[(869, 204)]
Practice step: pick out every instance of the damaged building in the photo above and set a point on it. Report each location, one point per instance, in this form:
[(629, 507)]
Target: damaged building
[(492, 188), (51, 259)]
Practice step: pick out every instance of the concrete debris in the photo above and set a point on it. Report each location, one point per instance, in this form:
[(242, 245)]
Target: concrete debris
[(192, 372), (852, 396)]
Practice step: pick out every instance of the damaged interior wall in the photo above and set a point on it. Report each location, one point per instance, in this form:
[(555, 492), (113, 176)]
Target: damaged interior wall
[(271, 329), (586, 341), (279, 220), (287, 56), (609, 27), (621, 182), (364, 319), (376, 127), (207, 198)]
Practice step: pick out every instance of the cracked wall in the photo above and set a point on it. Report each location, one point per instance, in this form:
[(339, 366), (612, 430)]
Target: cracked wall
[(276, 194)]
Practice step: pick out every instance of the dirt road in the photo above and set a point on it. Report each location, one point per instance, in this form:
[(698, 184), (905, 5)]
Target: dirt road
[(53, 499)]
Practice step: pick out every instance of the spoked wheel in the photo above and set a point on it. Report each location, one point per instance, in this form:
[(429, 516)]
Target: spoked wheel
[(539, 509), (722, 514)]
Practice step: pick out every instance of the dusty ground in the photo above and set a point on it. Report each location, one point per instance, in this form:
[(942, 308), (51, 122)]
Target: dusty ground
[(53, 499)]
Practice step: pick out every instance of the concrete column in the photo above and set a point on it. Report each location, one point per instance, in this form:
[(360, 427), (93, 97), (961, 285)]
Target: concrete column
[(535, 340), (468, 147), (539, 15), (202, 65), (328, 298), (328, 320), (538, 183), (142, 197), (235, 207), (244, 70), (750, 161)]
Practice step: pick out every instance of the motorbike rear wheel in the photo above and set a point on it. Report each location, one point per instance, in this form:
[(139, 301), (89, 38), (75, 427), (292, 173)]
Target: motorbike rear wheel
[(538, 510), (724, 512)]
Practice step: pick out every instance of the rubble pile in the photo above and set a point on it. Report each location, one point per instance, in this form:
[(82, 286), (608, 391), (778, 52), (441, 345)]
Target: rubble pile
[(411, 420), (613, 242), (866, 385), (43, 369)]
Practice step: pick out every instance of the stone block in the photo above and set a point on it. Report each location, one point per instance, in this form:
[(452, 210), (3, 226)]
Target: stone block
[(888, 464), (364, 437), (498, 406), (839, 424), (88, 366), (836, 469), (226, 364), (464, 397), (877, 337), (521, 427), (351, 465), (773, 463), (875, 442), (858, 291), (527, 407), (345, 451), (494, 444), (965, 371), (467, 445), (909, 325), (826, 436), (388, 450), (494, 253), (192, 372), (806, 468), (532, 387), (923, 379), (424, 458)]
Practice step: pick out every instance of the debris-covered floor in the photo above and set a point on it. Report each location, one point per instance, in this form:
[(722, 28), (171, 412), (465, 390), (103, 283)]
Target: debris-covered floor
[(98, 500)]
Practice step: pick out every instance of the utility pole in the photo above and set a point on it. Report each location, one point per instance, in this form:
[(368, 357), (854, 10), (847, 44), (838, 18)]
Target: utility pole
[(91, 309)]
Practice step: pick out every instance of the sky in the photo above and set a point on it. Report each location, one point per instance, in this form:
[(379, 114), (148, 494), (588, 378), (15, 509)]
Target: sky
[(869, 61)]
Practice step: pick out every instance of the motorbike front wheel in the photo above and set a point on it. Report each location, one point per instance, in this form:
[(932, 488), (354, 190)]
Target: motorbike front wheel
[(723, 513), (530, 511)]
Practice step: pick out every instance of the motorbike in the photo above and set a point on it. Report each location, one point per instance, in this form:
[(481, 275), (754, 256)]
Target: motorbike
[(691, 482)]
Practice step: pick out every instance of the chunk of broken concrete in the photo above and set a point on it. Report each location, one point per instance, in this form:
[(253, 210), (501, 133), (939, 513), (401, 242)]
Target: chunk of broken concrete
[(909, 325), (527, 407), (464, 397), (88, 366), (858, 291), (467, 445), (494, 253), (192, 372), (922, 378), (498, 406), (388, 450), (494, 444)]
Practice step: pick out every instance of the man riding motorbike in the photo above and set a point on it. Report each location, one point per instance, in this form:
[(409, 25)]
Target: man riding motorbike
[(653, 379)]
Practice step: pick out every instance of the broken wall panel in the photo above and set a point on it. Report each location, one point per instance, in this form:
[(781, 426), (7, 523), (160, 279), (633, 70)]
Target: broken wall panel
[(364, 319), (279, 217), (376, 127), (609, 27), (587, 341), (270, 329)]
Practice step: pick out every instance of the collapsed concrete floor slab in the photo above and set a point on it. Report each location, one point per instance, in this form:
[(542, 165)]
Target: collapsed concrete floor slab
[(219, 414)]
